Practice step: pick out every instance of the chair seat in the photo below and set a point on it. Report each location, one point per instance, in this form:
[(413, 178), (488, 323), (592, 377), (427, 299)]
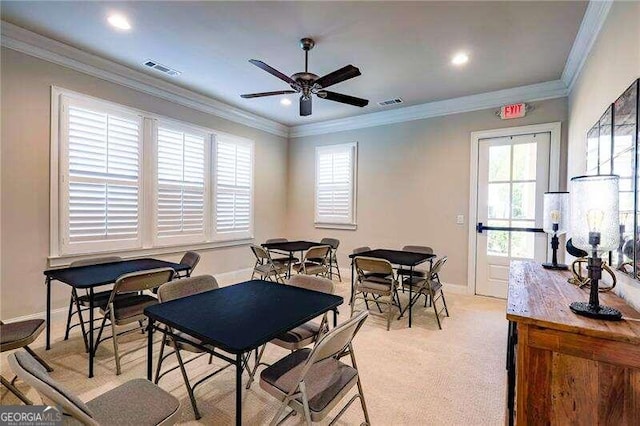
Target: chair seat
[(185, 345), (420, 284), (101, 298), (285, 259), (299, 337), (416, 272), (324, 382), (19, 334), (312, 268), (138, 402), (376, 285), (268, 269), (131, 307)]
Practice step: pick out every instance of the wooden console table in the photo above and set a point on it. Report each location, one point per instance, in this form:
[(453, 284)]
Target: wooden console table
[(568, 369)]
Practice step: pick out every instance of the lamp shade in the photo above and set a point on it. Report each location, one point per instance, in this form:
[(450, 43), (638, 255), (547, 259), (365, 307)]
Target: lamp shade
[(594, 212), (556, 210)]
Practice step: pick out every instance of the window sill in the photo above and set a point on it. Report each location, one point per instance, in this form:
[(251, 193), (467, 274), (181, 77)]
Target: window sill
[(343, 226), (65, 260)]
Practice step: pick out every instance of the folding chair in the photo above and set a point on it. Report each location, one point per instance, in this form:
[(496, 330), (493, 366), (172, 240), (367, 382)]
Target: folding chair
[(305, 334), (81, 303), (190, 258), (18, 335), (265, 267), (314, 262), (376, 282), (175, 290), (124, 311), (136, 402), (431, 288), (313, 381)]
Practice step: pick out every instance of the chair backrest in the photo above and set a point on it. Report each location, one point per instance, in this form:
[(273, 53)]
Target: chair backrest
[(276, 240), (311, 282), (372, 265), (333, 242), (95, 261), (437, 267), (362, 249), (186, 287), (260, 253), (418, 249), (333, 343), (35, 375), (190, 258), (318, 253), (142, 280)]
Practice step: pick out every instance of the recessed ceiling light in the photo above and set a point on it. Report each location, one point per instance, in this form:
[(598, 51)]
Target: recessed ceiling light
[(460, 58), (285, 101), (119, 21)]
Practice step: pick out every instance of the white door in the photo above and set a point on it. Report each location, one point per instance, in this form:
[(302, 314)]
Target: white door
[(513, 175)]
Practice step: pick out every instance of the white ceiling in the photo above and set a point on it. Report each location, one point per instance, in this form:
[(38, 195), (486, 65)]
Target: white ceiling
[(403, 49)]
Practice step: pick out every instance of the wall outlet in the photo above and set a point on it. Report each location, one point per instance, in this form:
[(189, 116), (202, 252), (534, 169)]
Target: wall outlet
[(460, 219)]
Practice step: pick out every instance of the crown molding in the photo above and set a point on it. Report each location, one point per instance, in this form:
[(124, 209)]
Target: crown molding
[(534, 92), (592, 22), (30, 43)]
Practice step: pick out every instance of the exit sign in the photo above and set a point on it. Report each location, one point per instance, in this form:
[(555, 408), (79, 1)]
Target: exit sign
[(513, 111)]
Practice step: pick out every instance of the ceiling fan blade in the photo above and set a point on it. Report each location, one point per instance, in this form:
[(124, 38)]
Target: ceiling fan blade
[(344, 73), (345, 99), (259, 95), (273, 72), (305, 106)]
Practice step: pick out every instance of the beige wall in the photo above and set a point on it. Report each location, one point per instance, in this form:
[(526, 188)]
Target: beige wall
[(413, 179), (25, 86), (612, 65)]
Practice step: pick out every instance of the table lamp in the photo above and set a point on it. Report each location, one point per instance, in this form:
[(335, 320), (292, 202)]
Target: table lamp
[(556, 215), (595, 228)]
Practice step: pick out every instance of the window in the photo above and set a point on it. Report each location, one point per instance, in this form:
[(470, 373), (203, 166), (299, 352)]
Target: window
[(336, 186), (181, 186), (126, 180), (233, 198), (100, 178)]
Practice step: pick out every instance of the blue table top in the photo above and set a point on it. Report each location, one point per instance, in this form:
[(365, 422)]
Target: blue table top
[(244, 316), (107, 273)]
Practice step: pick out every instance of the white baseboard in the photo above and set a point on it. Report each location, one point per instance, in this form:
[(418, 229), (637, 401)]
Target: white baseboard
[(456, 288), (232, 277), (55, 315)]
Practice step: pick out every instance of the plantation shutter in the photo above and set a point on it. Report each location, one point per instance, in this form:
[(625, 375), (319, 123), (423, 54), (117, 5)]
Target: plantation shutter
[(181, 185), (335, 180), (102, 178), (233, 191)]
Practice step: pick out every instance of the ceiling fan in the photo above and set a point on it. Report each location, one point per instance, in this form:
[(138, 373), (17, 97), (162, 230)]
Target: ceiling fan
[(307, 83)]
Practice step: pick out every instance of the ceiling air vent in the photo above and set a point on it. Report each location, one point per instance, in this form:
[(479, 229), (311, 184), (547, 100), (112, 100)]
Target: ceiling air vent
[(162, 68), (388, 102)]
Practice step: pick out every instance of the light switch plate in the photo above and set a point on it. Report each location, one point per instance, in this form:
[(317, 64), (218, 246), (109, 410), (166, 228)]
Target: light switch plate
[(460, 219)]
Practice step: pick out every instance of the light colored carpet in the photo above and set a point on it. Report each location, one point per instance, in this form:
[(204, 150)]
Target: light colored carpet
[(417, 376)]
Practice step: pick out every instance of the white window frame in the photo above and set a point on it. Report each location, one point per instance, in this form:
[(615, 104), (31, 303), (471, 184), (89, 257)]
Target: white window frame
[(351, 223), (230, 236), (109, 244), (147, 244)]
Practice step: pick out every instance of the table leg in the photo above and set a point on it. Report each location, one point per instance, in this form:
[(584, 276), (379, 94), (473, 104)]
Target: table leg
[(352, 282), (48, 282), (335, 317), (410, 295), (239, 389), (331, 264), (149, 348), (91, 342), (290, 262)]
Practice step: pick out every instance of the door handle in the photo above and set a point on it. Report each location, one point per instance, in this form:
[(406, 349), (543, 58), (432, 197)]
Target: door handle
[(481, 227)]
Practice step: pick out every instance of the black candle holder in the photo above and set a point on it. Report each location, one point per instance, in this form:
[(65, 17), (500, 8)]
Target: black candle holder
[(593, 309), (554, 252)]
